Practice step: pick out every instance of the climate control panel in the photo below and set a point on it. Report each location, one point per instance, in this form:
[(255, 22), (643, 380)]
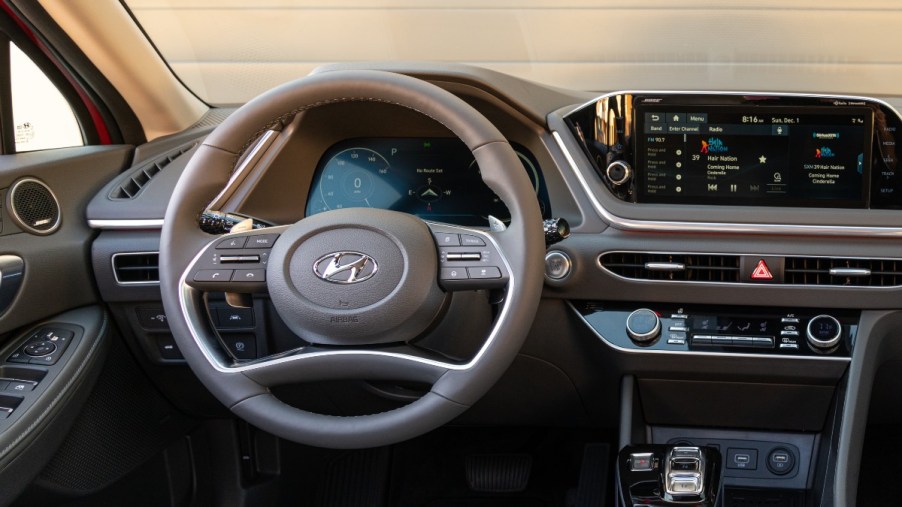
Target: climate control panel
[(725, 330)]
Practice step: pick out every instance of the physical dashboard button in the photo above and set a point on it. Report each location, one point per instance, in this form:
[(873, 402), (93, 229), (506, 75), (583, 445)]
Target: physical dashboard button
[(487, 272), (261, 241), (213, 275), (762, 272), (557, 265), (20, 386), (643, 325), (18, 357), (468, 240), (152, 318), (641, 461), (444, 239), (232, 243), (618, 172)]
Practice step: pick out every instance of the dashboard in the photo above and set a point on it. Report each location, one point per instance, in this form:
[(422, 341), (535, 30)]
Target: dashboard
[(433, 178)]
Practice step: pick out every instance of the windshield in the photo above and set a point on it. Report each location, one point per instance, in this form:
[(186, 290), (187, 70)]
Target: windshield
[(227, 51)]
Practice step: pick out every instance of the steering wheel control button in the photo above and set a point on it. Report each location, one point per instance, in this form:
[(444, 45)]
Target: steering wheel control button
[(241, 346), (232, 243), (213, 275), (234, 318), (480, 273), (469, 240), (225, 259), (780, 461), (454, 274), (824, 332), (261, 241), (557, 265), (742, 459), (249, 275), (444, 239), (643, 325), (38, 349)]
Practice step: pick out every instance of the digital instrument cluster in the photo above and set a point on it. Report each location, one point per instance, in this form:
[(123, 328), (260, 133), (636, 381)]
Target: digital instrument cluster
[(433, 178)]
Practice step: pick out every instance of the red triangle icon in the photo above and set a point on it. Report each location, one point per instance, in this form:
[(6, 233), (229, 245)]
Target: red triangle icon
[(761, 272)]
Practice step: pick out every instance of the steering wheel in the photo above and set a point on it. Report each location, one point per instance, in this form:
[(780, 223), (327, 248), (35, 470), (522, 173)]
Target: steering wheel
[(357, 286)]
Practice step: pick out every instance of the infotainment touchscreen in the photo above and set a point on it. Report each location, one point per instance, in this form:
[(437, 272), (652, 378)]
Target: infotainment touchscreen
[(782, 156)]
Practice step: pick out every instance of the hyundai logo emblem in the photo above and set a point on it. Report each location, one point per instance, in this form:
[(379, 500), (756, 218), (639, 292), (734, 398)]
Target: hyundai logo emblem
[(345, 267)]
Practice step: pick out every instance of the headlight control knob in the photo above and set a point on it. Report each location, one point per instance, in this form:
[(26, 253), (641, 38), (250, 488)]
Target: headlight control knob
[(824, 332), (643, 325)]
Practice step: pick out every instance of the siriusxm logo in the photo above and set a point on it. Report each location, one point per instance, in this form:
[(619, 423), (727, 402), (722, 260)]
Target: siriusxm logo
[(714, 145), (824, 152)]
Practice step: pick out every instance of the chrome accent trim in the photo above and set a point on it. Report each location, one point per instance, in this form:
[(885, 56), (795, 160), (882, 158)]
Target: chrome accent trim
[(187, 293), (629, 224), (245, 164), (824, 344), (335, 267), (849, 272), (643, 337), (665, 266), (695, 353), (123, 254), (151, 223), (743, 284), (14, 215), (627, 172)]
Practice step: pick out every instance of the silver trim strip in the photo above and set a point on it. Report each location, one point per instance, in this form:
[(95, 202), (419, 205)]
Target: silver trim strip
[(123, 254), (243, 169), (745, 284), (195, 325), (151, 223), (695, 353), (664, 266), (629, 224), (849, 272)]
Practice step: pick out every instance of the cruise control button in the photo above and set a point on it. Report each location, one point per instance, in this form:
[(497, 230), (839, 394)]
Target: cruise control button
[(261, 241), (444, 239), (454, 274), (484, 273), (230, 243), (468, 240), (213, 275), (249, 275)]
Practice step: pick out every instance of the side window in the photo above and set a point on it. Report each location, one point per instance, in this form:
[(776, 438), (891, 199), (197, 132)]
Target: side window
[(42, 118)]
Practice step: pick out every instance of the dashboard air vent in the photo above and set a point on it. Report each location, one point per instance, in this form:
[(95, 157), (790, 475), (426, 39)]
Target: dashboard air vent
[(135, 268), (675, 267), (843, 271), (139, 178)]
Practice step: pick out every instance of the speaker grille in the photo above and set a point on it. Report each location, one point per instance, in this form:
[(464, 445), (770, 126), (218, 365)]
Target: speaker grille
[(34, 207)]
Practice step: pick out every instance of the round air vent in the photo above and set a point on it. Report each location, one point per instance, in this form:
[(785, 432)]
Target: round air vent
[(33, 207)]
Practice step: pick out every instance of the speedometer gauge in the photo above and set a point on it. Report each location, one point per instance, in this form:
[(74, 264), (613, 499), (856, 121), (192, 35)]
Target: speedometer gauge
[(356, 178), (433, 178)]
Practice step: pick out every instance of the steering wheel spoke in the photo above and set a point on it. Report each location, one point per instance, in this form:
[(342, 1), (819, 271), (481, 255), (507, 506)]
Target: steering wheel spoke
[(469, 258)]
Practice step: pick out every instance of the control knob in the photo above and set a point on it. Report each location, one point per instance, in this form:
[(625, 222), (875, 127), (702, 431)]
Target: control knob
[(824, 332), (618, 172), (643, 325)]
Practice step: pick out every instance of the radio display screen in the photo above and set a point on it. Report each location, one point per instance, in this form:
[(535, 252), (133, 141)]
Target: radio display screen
[(761, 155)]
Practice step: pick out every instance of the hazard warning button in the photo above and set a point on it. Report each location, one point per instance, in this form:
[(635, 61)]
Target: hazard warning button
[(762, 272), (757, 269)]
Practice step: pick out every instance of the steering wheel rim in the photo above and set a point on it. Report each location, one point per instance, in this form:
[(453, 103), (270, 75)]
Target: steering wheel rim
[(456, 386)]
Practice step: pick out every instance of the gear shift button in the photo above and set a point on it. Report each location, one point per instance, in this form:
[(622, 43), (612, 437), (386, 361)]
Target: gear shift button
[(684, 485), (641, 461)]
